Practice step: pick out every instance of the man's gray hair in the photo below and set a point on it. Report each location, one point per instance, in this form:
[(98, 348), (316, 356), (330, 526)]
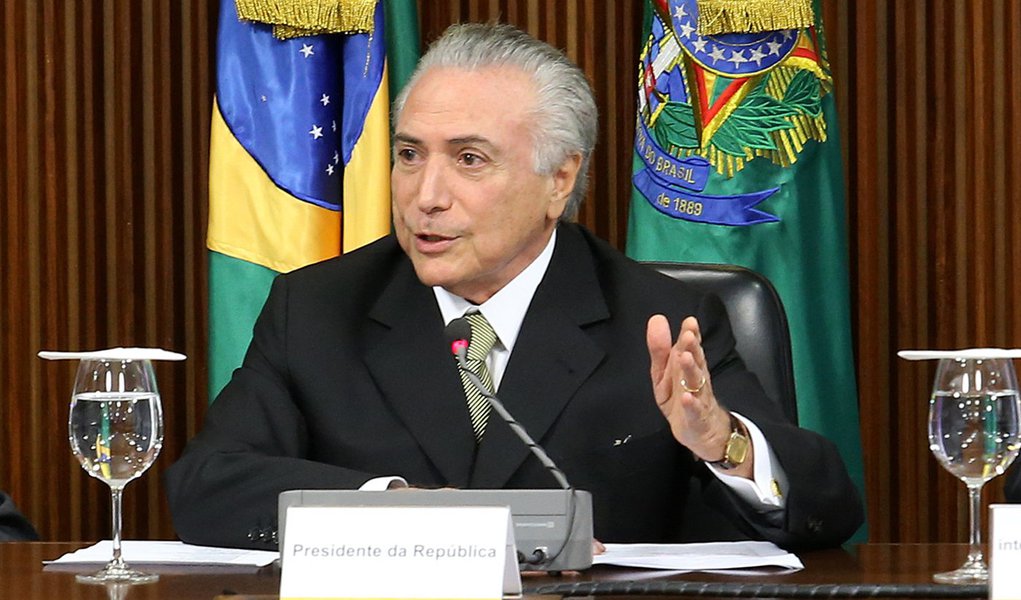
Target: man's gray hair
[(565, 120)]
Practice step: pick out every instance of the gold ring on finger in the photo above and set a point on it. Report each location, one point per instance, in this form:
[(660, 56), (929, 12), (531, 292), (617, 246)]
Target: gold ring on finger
[(693, 390)]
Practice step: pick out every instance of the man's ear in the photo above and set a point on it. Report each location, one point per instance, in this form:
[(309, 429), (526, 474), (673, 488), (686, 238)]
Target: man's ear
[(563, 180)]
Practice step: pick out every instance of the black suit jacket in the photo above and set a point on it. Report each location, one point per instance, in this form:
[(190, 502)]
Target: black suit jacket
[(349, 377), (1012, 486), (13, 525)]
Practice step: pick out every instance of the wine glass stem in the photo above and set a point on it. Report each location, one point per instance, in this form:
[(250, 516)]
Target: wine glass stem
[(115, 493), (975, 526)]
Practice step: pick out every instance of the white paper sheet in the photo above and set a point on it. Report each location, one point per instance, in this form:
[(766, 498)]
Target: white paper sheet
[(699, 557), (967, 353), (167, 553)]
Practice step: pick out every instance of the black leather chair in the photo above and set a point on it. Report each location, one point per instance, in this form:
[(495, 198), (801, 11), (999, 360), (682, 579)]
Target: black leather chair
[(758, 319)]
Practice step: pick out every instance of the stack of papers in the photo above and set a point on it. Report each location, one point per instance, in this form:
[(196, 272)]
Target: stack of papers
[(167, 553), (709, 556)]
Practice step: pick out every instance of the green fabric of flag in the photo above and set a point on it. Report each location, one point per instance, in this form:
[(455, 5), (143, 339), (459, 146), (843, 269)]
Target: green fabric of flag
[(737, 160), (402, 42), (237, 291)]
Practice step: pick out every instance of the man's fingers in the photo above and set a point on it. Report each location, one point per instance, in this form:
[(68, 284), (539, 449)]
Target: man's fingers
[(690, 339), (691, 324), (657, 337)]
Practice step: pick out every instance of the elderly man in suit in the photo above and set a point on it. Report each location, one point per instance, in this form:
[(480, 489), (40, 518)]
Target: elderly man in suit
[(349, 382)]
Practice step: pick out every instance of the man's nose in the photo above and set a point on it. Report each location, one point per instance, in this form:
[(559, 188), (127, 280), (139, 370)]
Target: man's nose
[(433, 189)]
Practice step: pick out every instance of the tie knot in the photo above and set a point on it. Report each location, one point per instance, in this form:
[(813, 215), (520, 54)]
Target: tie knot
[(483, 337)]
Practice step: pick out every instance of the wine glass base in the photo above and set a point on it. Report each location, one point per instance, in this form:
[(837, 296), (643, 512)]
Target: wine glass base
[(117, 574), (969, 573)]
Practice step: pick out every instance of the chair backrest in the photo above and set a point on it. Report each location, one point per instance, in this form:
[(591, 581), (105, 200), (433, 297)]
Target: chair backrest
[(758, 319)]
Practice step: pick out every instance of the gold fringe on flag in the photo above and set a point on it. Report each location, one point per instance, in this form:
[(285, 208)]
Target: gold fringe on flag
[(297, 18), (751, 16)]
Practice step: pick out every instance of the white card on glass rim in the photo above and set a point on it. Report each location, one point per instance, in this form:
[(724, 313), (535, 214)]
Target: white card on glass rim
[(114, 354), (965, 353)]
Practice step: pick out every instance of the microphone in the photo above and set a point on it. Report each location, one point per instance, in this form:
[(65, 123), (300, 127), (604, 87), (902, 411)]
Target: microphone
[(573, 533), (458, 333)]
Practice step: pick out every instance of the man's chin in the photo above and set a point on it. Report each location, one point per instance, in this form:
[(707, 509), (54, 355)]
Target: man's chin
[(431, 273)]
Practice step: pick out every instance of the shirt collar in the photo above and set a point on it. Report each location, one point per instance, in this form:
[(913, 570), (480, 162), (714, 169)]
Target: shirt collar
[(506, 309)]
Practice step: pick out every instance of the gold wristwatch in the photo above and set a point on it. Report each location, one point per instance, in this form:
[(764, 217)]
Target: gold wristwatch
[(737, 448)]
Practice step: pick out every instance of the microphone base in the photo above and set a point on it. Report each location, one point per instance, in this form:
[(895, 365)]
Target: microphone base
[(553, 524)]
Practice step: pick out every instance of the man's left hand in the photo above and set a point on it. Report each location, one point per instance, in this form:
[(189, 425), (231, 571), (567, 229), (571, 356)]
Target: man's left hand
[(684, 392)]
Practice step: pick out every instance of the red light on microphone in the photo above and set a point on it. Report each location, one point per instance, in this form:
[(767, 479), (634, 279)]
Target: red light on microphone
[(457, 346)]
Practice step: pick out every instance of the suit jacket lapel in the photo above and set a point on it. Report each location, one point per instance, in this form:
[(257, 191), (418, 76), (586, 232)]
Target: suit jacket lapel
[(553, 356), (417, 376)]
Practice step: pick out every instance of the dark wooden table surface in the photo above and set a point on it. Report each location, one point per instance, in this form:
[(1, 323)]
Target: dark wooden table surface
[(22, 574)]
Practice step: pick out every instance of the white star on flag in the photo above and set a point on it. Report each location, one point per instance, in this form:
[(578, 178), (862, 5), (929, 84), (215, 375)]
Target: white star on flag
[(699, 44), (334, 126), (717, 54), (329, 169), (325, 99), (316, 132), (336, 157), (686, 29), (306, 50), (737, 57)]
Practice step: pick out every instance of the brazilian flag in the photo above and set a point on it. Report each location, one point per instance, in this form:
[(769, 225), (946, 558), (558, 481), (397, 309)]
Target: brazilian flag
[(299, 167)]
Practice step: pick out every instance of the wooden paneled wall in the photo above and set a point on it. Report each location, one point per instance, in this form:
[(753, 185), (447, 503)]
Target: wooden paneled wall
[(104, 122), (104, 112), (929, 96)]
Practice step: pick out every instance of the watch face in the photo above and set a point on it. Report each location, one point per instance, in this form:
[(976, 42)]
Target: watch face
[(737, 448)]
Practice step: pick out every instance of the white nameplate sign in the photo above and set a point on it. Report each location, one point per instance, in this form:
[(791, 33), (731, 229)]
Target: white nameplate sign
[(398, 552), (1004, 551)]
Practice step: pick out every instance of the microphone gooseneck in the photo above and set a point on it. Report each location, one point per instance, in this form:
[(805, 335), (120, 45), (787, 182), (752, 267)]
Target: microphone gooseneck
[(458, 333)]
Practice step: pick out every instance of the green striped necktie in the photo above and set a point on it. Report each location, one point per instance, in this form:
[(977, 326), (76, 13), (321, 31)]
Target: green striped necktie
[(482, 340)]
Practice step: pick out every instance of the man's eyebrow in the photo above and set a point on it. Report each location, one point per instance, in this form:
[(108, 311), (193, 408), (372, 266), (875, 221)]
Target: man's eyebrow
[(407, 139), (469, 139), (457, 141)]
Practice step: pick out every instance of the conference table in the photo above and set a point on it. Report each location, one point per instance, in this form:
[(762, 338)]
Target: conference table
[(875, 570)]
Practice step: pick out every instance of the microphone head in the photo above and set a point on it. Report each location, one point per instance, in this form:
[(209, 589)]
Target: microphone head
[(458, 333)]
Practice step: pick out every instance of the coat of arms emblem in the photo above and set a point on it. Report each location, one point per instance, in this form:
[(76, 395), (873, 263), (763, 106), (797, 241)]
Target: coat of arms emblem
[(711, 105)]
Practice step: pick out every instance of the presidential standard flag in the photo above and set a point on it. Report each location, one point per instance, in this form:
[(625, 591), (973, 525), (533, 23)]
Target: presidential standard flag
[(737, 160), (299, 167)]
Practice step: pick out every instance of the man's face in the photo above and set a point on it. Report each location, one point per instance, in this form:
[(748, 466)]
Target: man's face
[(468, 207)]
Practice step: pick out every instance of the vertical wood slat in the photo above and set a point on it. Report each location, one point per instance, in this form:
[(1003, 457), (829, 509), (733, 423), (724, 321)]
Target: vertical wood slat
[(104, 133)]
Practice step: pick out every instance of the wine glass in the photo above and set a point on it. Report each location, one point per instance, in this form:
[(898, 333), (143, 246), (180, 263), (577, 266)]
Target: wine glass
[(973, 431), (116, 431)]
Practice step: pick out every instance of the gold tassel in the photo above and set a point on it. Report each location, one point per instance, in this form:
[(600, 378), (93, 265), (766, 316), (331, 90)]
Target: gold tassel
[(751, 16), (296, 18)]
